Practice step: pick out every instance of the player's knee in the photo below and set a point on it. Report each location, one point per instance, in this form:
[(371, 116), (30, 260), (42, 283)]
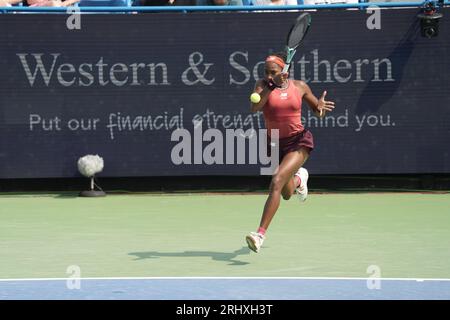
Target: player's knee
[(277, 183)]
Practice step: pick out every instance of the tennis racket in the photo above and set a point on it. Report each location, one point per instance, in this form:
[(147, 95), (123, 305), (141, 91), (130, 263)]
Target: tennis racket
[(295, 36)]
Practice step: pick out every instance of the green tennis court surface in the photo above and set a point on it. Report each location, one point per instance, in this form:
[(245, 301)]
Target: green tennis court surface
[(406, 235)]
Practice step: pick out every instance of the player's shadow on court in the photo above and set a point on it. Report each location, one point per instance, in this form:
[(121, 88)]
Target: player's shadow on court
[(66, 195), (217, 256)]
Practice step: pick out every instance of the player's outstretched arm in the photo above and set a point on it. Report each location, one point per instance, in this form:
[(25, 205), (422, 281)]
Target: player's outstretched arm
[(319, 106)]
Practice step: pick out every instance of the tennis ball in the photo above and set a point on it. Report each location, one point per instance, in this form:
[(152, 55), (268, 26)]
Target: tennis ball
[(255, 97)]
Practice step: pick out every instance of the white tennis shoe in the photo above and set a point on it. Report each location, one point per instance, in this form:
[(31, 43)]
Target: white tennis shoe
[(255, 241), (302, 189)]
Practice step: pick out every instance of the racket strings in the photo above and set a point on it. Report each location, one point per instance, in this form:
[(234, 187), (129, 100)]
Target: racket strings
[(298, 31)]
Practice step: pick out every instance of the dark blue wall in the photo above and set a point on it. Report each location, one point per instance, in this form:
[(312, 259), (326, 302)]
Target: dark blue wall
[(390, 87)]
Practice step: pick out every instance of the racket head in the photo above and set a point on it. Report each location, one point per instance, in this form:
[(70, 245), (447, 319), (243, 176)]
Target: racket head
[(298, 30), (295, 36)]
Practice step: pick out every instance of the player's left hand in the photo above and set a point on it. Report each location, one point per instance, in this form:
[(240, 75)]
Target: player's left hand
[(324, 105)]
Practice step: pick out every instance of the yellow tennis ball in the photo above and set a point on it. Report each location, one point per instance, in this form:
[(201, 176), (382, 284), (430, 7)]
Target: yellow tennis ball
[(255, 97)]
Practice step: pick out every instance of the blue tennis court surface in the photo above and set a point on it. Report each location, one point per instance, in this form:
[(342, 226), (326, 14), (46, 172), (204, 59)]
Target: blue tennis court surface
[(226, 289)]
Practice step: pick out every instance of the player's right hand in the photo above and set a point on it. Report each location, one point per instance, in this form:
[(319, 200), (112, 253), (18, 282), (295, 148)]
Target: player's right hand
[(270, 84)]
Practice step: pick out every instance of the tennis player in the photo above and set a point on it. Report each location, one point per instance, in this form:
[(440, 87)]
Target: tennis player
[(281, 103)]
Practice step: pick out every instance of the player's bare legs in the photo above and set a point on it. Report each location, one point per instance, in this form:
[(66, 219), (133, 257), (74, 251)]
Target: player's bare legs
[(283, 179), (289, 188)]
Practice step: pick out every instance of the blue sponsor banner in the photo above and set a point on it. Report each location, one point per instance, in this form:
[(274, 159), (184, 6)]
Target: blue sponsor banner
[(166, 93)]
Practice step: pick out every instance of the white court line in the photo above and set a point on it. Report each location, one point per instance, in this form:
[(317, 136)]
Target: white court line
[(225, 278)]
